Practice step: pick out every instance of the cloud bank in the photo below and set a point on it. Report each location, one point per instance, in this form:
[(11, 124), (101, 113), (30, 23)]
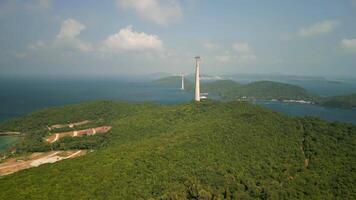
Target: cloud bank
[(157, 11), (349, 45), (125, 40), (70, 29), (241, 53), (319, 28), (67, 37), (128, 39)]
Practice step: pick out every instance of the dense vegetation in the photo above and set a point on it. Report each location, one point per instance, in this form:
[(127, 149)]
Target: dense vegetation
[(224, 88), (346, 101), (34, 125), (258, 90), (207, 150)]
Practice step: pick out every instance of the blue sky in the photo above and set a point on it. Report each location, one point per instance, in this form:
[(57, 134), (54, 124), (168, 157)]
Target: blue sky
[(117, 37)]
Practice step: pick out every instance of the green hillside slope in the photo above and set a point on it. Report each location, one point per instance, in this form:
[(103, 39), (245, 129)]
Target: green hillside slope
[(258, 90), (222, 87), (346, 101), (209, 150), (269, 89)]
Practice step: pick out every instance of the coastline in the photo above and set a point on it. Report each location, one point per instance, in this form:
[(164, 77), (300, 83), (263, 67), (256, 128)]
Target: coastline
[(7, 142)]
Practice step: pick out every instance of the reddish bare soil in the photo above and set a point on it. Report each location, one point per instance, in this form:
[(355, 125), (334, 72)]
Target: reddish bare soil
[(91, 131), (12, 165)]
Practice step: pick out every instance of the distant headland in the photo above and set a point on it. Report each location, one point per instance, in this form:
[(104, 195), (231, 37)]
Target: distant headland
[(262, 90)]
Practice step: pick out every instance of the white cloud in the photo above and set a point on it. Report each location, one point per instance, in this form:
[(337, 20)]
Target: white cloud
[(319, 28), (245, 54), (224, 58), (72, 44), (349, 44), (128, 39), (210, 45), (125, 39), (242, 54), (70, 29), (247, 59), (157, 11), (38, 45), (242, 47), (67, 38)]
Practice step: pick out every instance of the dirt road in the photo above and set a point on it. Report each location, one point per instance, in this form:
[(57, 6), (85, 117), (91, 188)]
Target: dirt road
[(12, 165)]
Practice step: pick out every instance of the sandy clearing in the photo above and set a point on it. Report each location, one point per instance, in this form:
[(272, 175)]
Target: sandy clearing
[(36, 159), (91, 131), (56, 138), (71, 125), (43, 160), (74, 154)]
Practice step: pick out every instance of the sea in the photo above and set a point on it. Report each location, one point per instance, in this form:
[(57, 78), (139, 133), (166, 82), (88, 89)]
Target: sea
[(19, 97)]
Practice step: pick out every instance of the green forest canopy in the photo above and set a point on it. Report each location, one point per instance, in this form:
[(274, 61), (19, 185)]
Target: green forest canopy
[(345, 101), (201, 150)]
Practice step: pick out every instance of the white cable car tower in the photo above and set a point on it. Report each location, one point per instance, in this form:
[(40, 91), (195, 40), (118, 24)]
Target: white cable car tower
[(197, 78), (182, 88)]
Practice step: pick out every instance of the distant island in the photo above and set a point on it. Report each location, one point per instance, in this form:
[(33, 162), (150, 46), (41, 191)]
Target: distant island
[(173, 81), (262, 90), (207, 150)]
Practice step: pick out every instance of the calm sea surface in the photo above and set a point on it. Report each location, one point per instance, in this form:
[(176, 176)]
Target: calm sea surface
[(19, 97), (330, 114)]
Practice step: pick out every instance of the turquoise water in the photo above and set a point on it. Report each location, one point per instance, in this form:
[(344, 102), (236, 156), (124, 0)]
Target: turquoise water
[(19, 97), (7, 142)]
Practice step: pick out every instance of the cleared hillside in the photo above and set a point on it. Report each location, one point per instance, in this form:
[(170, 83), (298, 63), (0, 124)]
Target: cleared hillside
[(209, 150)]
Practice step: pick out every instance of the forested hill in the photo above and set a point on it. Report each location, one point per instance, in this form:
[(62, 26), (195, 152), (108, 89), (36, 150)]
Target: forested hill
[(266, 90), (259, 90), (173, 81), (206, 150), (346, 101)]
